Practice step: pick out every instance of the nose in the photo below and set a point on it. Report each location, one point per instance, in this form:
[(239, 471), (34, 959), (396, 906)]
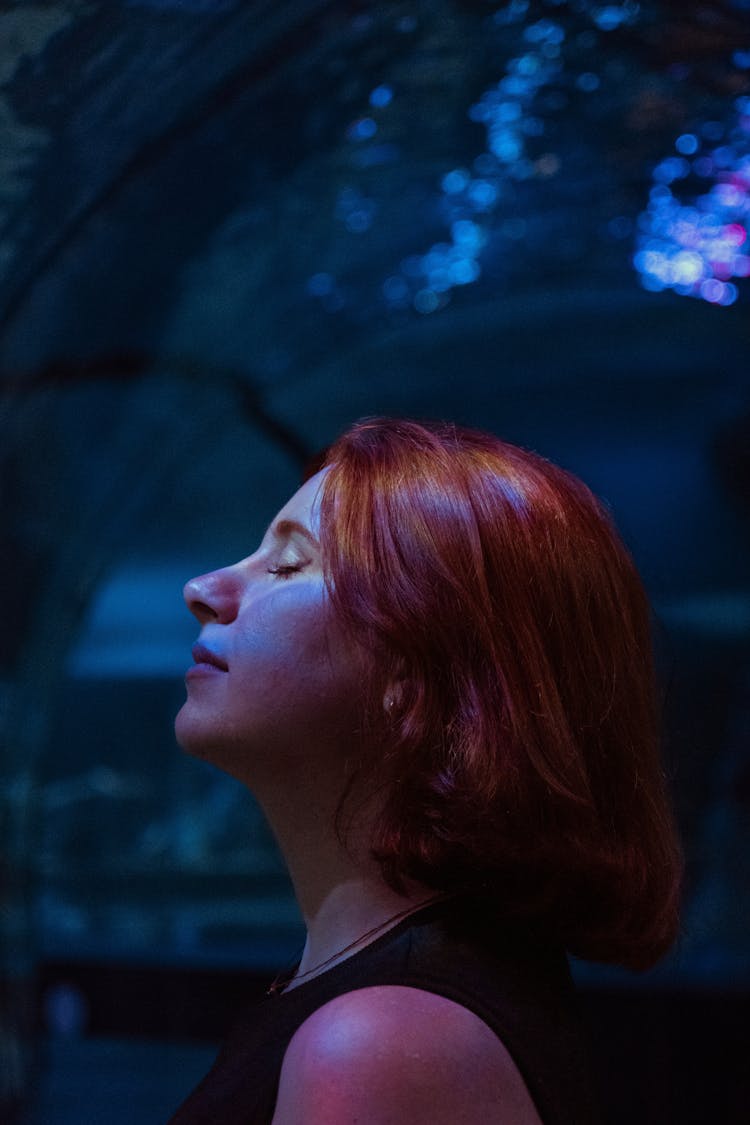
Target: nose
[(213, 597)]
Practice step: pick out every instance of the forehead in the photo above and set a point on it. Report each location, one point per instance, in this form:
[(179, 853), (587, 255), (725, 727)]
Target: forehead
[(304, 505)]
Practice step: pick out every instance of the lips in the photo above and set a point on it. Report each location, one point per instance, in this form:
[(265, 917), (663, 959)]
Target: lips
[(203, 655)]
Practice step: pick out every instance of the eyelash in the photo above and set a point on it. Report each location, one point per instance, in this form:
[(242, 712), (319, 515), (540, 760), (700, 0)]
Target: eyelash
[(285, 571)]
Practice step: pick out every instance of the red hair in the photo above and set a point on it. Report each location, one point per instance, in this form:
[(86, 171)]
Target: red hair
[(489, 593)]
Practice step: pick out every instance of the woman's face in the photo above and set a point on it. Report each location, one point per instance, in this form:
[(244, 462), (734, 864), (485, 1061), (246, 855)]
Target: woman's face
[(273, 681)]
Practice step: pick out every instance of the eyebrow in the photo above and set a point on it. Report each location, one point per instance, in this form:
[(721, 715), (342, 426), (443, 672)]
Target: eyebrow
[(284, 528)]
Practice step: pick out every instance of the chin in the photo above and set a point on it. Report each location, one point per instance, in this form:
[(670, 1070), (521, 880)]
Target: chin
[(203, 739), (191, 734)]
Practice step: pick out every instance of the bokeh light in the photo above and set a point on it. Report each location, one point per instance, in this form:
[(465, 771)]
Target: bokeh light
[(696, 242)]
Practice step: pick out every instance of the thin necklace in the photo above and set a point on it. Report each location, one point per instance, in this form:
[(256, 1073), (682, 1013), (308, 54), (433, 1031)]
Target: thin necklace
[(286, 976)]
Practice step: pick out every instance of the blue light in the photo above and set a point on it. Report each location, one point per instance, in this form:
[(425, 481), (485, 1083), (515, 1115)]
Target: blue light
[(670, 169), (703, 166), (513, 86), (505, 145), (713, 290), (687, 268), (426, 301), (467, 235), (479, 112), (544, 31), (440, 279), (483, 195), (527, 64), (512, 13), (610, 18), (464, 271), (381, 96), (506, 112), (660, 194), (454, 182), (687, 144), (362, 130), (695, 246)]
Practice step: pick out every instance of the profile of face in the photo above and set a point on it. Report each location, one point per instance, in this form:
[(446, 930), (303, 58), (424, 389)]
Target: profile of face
[(274, 684)]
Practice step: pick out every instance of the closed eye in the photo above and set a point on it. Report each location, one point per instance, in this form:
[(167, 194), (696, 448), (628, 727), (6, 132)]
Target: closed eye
[(285, 570)]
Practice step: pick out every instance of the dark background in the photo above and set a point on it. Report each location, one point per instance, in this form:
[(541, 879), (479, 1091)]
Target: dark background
[(229, 229)]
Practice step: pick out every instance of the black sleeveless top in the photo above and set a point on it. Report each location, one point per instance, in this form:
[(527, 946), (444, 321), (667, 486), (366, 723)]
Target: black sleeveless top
[(520, 988)]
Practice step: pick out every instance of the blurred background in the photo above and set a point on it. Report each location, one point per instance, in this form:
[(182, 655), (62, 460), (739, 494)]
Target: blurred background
[(228, 229)]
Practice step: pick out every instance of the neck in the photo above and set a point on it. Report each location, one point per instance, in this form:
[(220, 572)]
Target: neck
[(340, 891)]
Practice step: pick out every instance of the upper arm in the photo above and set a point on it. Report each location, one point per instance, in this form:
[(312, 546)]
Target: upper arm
[(393, 1055)]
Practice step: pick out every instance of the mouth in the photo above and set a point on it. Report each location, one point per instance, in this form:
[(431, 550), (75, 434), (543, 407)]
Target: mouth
[(203, 656)]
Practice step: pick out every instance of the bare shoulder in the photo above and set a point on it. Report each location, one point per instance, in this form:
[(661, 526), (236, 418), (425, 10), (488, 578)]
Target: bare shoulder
[(393, 1055)]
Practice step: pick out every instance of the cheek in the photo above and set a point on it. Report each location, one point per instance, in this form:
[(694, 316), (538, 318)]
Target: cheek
[(289, 653), (281, 634)]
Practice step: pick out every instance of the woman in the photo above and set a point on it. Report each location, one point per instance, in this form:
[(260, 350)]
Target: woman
[(435, 676)]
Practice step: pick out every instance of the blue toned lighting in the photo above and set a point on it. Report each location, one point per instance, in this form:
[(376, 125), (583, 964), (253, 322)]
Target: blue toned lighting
[(527, 65), (697, 244), (426, 301), (381, 96), (687, 144), (544, 31), (364, 129), (464, 271), (482, 194), (670, 169), (520, 107), (686, 268), (511, 13), (506, 145), (468, 235), (612, 16), (712, 290), (703, 166), (455, 182)]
